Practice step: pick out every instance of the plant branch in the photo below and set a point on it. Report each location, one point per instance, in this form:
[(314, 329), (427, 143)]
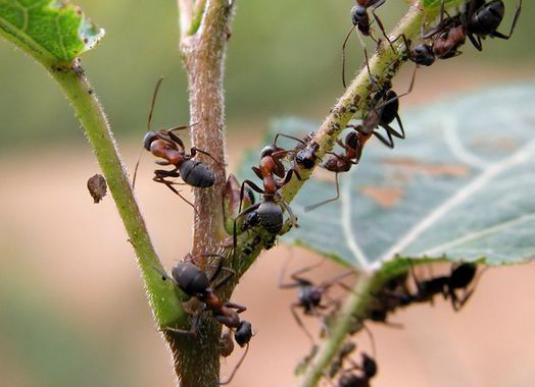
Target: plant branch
[(203, 52), (162, 295)]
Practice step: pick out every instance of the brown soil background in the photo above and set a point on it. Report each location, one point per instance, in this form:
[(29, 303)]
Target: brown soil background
[(78, 254)]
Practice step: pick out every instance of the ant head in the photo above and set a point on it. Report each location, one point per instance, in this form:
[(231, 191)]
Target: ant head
[(306, 158), (423, 54), (244, 333), (148, 139), (359, 14), (369, 365)]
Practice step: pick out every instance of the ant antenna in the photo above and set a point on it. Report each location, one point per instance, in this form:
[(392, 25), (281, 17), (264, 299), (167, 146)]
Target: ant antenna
[(149, 120), (344, 56), (231, 376)]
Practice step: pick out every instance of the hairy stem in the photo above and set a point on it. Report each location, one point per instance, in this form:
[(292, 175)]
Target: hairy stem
[(162, 294), (203, 53)]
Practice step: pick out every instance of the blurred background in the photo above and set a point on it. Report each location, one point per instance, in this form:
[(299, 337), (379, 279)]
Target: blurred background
[(72, 306)]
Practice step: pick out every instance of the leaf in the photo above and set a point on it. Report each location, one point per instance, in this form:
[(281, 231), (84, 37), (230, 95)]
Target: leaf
[(54, 32), (461, 185)]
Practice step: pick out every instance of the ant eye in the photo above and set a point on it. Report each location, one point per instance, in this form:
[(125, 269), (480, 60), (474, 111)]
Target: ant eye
[(148, 139)]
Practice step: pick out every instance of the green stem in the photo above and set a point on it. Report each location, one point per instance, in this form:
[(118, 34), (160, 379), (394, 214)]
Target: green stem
[(162, 295)]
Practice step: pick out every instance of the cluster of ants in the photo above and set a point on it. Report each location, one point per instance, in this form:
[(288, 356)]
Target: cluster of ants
[(399, 291), (477, 20)]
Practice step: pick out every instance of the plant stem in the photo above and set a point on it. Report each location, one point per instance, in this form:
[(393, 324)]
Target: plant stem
[(203, 53), (163, 298)]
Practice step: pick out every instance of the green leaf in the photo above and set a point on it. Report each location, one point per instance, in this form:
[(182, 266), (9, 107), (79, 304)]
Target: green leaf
[(438, 3), (460, 186), (53, 32)]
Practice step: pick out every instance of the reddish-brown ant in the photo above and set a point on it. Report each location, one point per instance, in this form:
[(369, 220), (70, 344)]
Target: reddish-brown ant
[(165, 144), (482, 19), (383, 110), (310, 295), (448, 36), (195, 283), (269, 212)]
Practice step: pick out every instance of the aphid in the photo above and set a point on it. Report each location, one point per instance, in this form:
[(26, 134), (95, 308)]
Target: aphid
[(166, 145), (97, 187)]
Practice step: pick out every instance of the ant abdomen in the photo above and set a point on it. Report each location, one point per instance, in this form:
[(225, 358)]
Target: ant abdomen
[(270, 217), (487, 19), (197, 174), (190, 279), (244, 333)]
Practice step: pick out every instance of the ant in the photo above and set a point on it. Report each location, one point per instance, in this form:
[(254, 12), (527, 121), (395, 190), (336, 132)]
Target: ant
[(383, 111), (482, 19), (361, 21), (165, 144), (310, 296), (368, 367), (448, 36), (195, 283), (460, 277), (268, 213)]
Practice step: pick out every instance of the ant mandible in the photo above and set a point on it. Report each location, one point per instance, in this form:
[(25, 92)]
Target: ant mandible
[(165, 144), (310, 296), (268, 213), (482, 19)]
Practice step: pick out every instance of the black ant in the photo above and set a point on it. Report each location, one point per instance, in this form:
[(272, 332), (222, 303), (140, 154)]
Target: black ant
[(310, 296), (482, 19), (165, 144), (460, 277), (368, 368), (268, 213)]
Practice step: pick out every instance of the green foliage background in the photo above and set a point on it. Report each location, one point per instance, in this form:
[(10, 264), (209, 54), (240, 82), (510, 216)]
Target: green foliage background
[(284, 58)]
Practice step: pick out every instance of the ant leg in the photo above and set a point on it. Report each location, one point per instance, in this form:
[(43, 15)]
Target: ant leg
[(389, 143), (513, 24), (381, 26), (440, 26), (299, 322), (287, 136), (336, 279), (169, 184), (231, 376), (235, 226), (194, 151), (295, 276), (344, 56), (239, 308), (293, 218), (476, 41), (314, 206), (187, 332)]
